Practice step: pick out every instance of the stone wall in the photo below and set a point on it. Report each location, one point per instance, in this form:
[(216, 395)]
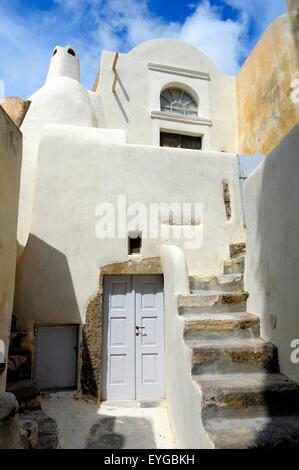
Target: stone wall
[(10, 167), (266, 112), (16, 108)]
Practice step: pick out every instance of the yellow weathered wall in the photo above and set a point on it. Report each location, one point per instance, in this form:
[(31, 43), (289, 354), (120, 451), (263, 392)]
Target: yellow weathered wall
[(266, 112), (10, 169)]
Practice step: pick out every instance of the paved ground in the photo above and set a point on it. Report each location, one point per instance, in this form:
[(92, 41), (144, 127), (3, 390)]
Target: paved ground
[(112, 425)]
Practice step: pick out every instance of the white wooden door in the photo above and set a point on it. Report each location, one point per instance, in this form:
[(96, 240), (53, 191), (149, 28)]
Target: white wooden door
[(133, 338), (118, 334)]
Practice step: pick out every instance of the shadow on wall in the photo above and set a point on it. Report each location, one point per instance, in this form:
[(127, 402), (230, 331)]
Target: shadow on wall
[(122, 432), (45, 293), (272, 276), (44, 281), (273, 261)]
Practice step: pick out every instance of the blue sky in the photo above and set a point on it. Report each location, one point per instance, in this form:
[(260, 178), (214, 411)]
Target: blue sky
[(226, 30)]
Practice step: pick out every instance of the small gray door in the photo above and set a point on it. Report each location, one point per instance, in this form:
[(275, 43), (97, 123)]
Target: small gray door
[(56, 357)]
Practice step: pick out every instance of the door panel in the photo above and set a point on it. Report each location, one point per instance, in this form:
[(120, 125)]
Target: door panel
[(119, 330), (150, 342), (56, 357), (134, 364)]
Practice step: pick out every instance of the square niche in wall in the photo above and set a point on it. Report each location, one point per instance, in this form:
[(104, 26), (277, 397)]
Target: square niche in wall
[(134, 243)]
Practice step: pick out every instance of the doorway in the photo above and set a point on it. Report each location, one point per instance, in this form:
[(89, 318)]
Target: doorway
[(133, 338), (56, 350)]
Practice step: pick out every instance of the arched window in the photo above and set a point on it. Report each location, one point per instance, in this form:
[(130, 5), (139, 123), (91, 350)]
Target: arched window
[(178, 101)]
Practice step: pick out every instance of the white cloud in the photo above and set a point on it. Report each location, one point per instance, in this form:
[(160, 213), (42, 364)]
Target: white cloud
[(262, 12), (94, 25), (204, 29), (220, 40)]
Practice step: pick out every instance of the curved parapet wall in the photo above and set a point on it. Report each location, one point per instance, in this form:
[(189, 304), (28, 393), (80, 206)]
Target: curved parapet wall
[(266, 94), (129, 86)]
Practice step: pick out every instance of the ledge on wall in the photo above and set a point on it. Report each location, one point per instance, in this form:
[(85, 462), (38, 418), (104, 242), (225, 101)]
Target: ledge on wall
[(200, 121), (190, 73)]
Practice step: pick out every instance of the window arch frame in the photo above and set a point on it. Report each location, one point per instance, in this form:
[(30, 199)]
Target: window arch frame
[(183, 89)]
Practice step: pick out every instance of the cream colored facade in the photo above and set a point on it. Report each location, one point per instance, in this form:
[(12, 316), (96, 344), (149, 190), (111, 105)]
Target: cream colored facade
[(149, 68), (86, 148), (105, 143)]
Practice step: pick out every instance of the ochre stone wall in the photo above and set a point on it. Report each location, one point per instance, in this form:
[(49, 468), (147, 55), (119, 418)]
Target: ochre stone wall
[(266, 112), (92, 339), (293, 5), (10, 170), (16, 108)]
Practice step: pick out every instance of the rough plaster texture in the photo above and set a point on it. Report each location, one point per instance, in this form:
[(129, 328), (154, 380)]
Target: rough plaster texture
[(92, 338), (293, 5), (138, 88), (58, 271), (10, 167), (266, 112), (272, 264)]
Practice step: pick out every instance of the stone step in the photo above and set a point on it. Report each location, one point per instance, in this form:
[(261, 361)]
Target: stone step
[(47, 429), (227, 283), (21, 342), (224, 395), (19, 367), (262, 432), (235, 356), (26, 392), (211, 302), (237, 249), (234, 265), (220, 326)]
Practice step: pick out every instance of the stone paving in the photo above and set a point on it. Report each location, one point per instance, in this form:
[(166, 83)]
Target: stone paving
[(112, 425)]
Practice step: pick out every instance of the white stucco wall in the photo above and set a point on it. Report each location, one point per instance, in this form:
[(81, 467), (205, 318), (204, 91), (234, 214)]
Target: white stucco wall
[(62, 100), (10, 167), (139, 85), (58, 271), (184, 398), (272, 261)]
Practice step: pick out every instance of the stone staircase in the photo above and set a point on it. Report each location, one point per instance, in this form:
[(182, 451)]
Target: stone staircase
[(247, 402)]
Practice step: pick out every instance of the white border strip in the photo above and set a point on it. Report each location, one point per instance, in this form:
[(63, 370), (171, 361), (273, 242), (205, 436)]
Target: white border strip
[(170, 117), (179, 71)]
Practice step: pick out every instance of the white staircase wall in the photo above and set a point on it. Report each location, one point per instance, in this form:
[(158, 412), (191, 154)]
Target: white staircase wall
[(272, 262), (183, 397)]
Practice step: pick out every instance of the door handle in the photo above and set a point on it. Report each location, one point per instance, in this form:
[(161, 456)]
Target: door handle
[(138, 328)]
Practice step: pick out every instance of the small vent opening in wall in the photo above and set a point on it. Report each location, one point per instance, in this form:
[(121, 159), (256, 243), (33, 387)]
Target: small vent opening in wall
[(72, 52), (227, 201), (134, 243)]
